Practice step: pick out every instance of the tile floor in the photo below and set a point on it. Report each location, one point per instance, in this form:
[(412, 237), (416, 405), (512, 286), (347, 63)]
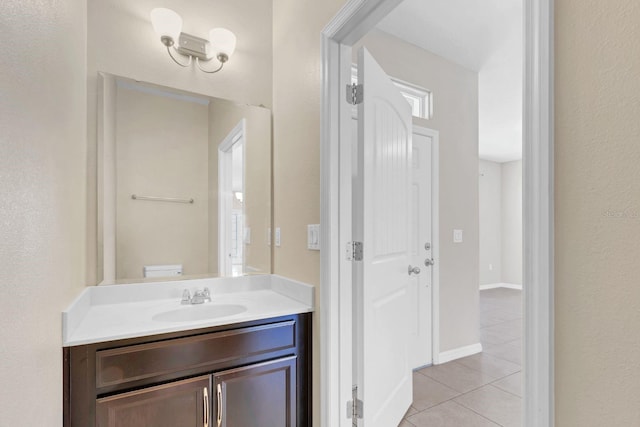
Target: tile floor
[(479, 390)]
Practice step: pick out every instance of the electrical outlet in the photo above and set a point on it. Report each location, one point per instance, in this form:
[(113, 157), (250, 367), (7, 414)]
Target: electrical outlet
[(457, 236), (277, 236)]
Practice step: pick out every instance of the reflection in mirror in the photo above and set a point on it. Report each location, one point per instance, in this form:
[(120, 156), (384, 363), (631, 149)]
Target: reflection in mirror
[(184, 184)]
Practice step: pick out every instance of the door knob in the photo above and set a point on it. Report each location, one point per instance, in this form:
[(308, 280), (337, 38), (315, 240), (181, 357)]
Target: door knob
[(414, 270), (429, 262)]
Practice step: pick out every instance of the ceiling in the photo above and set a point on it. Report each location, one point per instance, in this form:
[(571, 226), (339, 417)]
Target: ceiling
[(484, 36)]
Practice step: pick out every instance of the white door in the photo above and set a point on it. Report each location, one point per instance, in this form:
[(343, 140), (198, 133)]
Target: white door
[(382, 212), (421, 248)]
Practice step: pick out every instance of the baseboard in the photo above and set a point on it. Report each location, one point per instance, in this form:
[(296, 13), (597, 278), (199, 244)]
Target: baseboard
[(458, 353), (500, 285)]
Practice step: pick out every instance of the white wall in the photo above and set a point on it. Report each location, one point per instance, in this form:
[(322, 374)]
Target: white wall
[(512, 222), (455, 116), (42, 204), (501, 222), (500, 88), (490, 202)]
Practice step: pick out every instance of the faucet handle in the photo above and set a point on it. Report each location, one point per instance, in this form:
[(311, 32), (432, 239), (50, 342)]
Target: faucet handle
[(207, 294), (186, 297)]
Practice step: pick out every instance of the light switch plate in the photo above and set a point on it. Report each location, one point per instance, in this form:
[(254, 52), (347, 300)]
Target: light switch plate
[(277, 236), (457, 236), (313, 237), (269, 236)]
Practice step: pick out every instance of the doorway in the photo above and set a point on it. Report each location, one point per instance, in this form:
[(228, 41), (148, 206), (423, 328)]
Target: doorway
[(349, 25), (232, 233)]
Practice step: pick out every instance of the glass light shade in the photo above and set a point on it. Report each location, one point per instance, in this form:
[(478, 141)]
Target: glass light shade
[(222, 41), (166, 23)]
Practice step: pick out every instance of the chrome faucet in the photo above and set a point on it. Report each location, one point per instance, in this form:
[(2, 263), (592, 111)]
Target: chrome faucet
[(199, 297)]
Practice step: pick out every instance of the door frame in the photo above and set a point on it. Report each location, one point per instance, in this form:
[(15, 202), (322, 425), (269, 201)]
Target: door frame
[(225, 197), (351, 23), (435, 238)]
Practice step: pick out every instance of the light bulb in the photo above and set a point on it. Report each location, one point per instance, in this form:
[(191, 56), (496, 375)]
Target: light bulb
[(223, 43), (166, 23)]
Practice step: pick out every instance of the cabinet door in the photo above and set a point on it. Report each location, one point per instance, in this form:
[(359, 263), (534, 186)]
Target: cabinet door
[(178, 404), (259, 395)]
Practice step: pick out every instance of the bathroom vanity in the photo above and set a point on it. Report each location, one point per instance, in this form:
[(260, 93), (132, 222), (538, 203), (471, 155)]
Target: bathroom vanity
[(185, 365)]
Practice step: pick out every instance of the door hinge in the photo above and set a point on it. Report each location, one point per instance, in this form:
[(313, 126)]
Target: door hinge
[(355, 94), (355, 407), (354, 251)]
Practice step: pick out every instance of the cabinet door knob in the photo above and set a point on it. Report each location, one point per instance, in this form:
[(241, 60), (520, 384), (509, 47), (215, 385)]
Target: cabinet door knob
[(219, 395)]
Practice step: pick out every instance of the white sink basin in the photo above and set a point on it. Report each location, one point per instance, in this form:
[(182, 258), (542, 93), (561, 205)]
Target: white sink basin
[(193, 313)]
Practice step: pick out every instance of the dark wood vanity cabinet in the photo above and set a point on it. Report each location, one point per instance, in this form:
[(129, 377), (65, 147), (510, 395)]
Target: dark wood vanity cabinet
[(254, 374)]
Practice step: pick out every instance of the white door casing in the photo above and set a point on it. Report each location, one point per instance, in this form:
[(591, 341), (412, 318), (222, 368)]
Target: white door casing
[(226, 211), (352, 22), (422, 247), (382, 208)]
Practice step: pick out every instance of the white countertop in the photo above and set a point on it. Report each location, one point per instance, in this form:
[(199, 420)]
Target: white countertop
[(106, 313)]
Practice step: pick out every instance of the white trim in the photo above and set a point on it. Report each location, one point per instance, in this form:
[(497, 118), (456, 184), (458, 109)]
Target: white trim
[(355, 19), (435, 238), (538, 233), (500, 285), (225, 202), (458, 353)]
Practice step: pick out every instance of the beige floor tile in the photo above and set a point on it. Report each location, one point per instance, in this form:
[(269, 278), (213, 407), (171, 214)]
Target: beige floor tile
[(497, 405), (405, 423), (492, 336), (458, 377), (428, 392), (410, 412), (491, 365), (511, 384), (495, 316), (511, 351), (506, 331), (449, 414)]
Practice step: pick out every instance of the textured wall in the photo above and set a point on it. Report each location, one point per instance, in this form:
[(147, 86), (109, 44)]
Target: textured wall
[(297, 25), (42, 199), (597, 215)]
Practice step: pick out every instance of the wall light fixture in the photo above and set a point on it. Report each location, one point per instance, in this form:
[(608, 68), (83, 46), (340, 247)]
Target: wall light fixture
[(220, 45)]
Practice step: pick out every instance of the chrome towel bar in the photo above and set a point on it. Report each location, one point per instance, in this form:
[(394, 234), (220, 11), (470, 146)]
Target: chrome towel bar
[(161, 199)]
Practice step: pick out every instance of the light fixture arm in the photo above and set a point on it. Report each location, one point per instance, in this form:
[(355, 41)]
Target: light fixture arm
[(168, 25), (176, 61), (222, 58)]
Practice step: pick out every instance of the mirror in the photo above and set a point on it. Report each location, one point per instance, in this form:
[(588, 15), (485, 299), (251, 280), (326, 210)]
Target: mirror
[(184, 184)]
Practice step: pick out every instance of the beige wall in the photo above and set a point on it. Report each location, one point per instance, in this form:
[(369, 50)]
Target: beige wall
[(223, 117), (511, 222), (42, 174), (162, 151), (121, 41), (490, 222), (455, 92), (297, 25), (597, 215)]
